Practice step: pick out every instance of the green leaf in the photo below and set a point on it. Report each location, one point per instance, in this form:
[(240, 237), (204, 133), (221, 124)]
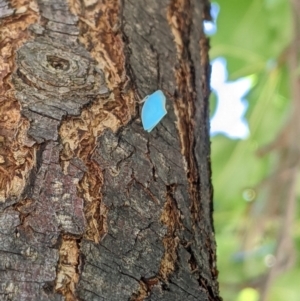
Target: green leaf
[(250, 33)]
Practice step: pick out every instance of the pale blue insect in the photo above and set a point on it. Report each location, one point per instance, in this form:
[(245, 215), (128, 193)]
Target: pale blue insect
[(154, 109)]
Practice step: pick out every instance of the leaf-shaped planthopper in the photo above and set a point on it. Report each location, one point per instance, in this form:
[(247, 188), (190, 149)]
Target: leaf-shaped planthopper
[(154, 109)]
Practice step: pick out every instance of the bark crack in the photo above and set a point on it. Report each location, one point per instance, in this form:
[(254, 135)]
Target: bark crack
[(172, 219), (67, 275)]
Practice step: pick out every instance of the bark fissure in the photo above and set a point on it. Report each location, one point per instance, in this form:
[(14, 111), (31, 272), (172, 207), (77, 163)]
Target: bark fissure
[(179, 17), (179, 14), (171, 218), (104, 51), (67, 269)]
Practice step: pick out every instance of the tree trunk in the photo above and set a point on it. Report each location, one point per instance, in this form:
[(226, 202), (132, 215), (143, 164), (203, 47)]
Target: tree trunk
[(92, 206)]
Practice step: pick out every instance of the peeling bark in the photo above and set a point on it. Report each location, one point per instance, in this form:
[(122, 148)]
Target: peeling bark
[(92, 206)]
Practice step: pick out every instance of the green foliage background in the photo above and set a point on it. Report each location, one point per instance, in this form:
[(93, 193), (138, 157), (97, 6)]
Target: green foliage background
[(252, 35)]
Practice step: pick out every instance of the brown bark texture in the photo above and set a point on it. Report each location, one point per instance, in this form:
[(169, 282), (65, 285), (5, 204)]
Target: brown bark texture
[(92, 207)]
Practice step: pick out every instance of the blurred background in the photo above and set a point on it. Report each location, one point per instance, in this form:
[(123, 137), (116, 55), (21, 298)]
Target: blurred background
[(255, 134)]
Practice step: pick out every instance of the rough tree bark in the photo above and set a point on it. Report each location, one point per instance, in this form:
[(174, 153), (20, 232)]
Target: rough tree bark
[(92, 206)]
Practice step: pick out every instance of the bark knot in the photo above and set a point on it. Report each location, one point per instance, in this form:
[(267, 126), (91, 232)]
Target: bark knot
[(52, 82)]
